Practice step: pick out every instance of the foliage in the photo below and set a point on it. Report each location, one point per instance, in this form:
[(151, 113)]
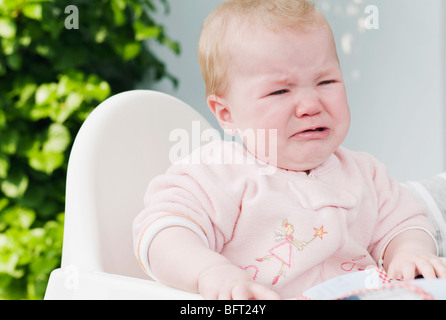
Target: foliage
[(52, 74)]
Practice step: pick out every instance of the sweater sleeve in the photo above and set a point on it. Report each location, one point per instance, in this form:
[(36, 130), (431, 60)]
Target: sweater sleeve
[(204, 198), (398, 211)]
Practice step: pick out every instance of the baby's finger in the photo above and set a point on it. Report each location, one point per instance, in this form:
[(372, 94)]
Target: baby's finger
[(240, 292), (225, 295), (426, 269), (263, 293), (440, 268), (407, 272), (254, 292), (232, 293), (260, 292)]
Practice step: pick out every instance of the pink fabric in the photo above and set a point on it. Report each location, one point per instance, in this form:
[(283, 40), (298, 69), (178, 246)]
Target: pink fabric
[(289, 229)]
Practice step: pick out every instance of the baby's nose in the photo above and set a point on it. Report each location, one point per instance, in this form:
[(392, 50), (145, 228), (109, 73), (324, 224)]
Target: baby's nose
[(308, 105)]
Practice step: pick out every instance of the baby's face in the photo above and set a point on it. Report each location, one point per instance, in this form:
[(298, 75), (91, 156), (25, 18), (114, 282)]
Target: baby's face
[(290, 81)]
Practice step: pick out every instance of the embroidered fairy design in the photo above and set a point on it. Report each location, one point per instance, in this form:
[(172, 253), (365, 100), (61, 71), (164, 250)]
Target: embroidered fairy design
[(283, 251)]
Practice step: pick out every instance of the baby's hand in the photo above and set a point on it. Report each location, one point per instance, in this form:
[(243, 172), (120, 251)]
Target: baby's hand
[(411, 254), (228, 282), (408, 265)]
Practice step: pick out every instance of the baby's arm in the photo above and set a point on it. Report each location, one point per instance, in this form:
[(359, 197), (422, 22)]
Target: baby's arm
[(413, 253), (178, 257)]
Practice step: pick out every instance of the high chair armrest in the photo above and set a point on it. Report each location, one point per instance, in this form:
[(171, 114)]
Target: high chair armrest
[(70, 284)]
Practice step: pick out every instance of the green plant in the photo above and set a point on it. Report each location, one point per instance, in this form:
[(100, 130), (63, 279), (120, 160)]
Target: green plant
[(52, 75)]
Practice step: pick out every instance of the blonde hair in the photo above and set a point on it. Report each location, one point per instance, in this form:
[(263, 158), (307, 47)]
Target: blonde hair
[(220, 29)]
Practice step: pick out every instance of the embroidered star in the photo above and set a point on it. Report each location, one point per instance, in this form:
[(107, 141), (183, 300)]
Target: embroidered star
[(319, 232)]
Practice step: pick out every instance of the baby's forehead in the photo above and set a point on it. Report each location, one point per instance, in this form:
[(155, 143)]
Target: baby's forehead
[(244, 27), (264, 51), (243, 32), (279, 21)]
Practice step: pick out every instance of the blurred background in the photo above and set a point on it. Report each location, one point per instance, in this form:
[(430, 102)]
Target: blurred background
[(60, 58)]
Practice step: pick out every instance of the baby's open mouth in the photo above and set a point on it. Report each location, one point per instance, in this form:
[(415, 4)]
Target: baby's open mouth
[(312, 133), (316, 129)]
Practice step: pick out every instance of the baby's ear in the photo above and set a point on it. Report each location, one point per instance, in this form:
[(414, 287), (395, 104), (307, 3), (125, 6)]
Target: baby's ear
[(221, 111)]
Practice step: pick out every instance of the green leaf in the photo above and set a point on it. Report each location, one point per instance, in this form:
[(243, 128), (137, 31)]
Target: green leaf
[(33, 11), (43, 50), (8, 28), (8, 263), (130, 50), (74, 100), (2, 69), (173, 45), (26, 92), (68, 83), (14, 61), (46, 92), (100, 34), (97, 88), (65, 109), (4, 166), (25, 39), (15, 185), (143, 32), (9, 141), (3, 203), (2, 118), (43, 111), (58, 139), (18, 217), (9, 46), (45, 162), (118, 7)]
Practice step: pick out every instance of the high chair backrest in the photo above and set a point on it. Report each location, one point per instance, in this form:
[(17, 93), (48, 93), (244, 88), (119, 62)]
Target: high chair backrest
[(121, 146)]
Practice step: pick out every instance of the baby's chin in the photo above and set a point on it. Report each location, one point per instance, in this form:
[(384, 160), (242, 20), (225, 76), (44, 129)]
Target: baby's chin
[(301, 166), (290, 166), (305, 159), (294, 163), (305, 169)]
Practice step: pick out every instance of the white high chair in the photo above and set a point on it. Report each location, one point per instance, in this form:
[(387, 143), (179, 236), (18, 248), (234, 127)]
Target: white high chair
[(122, 145)]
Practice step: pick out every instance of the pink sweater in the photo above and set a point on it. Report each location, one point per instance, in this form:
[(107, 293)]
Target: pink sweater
[(289, 230)]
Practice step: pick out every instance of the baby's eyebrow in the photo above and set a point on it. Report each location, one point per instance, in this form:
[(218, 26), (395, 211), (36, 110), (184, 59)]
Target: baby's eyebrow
[(274, 80), (327, 72), (282, 78)]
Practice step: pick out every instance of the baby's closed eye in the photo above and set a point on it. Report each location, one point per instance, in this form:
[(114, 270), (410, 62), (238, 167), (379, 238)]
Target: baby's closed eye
[(326, 82), (279, 92)]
